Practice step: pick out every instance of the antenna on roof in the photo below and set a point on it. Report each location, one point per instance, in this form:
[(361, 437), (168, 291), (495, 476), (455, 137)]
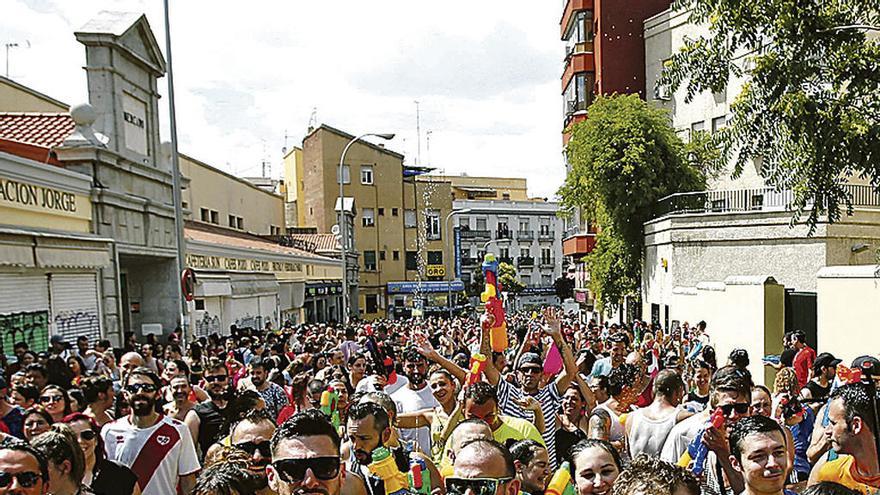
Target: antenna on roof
[(27, 44), (313, 120)]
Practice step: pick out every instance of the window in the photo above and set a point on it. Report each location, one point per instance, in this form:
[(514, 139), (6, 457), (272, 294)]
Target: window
[(394, 212), (381, 212), (412, 260), (435, 257), (580, 31), (481, 224), (464, 222), (232, 221), (367, 175), (698, 126), (719, 123), (545, 256), (524, 252), (546, 280), (370, 261), (524, 225), (381, 255), (395, 255), (526, 280), (239, 223), (578, 94), (372, 303), (200, 304), (346, 174), (504, 253), (367, 218), (545, 227), (409, 219), (432, 224), (206, 214), (505, 196), (215, 217)]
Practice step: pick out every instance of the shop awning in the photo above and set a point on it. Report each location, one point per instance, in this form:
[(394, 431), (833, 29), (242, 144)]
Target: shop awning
[(72, 257), (16, 254), (212, 285), (291, 295), (253, 284)]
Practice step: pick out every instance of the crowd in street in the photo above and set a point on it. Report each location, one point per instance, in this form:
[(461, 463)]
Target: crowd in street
[(426, 406)]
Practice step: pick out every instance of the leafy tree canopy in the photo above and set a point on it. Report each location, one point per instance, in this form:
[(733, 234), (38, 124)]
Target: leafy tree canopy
[(809, 112), (509, 278), (624, 157)]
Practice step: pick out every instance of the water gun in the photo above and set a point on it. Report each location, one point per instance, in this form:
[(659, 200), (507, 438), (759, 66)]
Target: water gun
[(696, 453), (419, 477), (491, 296), (560, 483), (330, 406), (383, 363), (478, 364), (384, 467)]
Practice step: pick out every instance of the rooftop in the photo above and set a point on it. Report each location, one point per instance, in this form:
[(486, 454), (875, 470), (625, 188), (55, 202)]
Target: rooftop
[(196, 231), (45, 130)]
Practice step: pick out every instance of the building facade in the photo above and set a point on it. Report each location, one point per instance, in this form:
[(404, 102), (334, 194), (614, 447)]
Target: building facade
[(398, 223), (604, 54), (738, 227)]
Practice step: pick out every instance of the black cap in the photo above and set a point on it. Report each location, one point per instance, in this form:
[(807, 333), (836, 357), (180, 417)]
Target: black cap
[(826, 359), (860, 362), (530, 358)]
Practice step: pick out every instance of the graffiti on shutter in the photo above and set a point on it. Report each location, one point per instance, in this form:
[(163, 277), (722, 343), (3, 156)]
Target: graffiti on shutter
[(31, 327)]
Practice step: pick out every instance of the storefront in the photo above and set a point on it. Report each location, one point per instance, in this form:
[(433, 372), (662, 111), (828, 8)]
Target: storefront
[(50, 265), (427, 298), (246, 281)]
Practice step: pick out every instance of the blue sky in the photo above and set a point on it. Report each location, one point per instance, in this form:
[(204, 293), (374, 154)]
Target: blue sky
[(247, 80)]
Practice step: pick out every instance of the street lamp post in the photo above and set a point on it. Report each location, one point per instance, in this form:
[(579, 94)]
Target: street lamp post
[(452, 252), (343, 222)]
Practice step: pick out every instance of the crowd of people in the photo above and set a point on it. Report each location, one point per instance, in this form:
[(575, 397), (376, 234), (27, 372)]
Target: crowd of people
[(426, 406)]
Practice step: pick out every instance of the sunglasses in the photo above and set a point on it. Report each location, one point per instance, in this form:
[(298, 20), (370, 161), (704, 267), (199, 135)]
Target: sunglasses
[(294, 470), (530, 369), (739, 407), (251, 448), (51, 398), (479, 486), (87, 435), (135, 388), (26, 479), (216, 378)]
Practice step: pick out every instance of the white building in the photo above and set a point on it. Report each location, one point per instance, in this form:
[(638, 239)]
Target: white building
[(738, 227), (526, 234)]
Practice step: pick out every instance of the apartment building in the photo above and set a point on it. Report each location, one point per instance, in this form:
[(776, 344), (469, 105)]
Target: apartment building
[(405, 260)]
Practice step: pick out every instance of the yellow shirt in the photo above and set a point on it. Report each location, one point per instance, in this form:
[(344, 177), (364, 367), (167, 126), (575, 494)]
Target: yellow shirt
[(516, 428), (842, 470)]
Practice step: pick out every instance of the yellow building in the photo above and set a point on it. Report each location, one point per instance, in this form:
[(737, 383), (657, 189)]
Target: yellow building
[(292, 187), (485, 188), (399, 224)]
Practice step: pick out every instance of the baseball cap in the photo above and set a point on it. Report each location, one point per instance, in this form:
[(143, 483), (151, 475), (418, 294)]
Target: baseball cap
[(860, 361), (530, 358), (826, 359), (57, 339)]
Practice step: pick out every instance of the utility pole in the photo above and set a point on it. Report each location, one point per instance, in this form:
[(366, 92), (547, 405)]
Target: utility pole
[(418, 135)]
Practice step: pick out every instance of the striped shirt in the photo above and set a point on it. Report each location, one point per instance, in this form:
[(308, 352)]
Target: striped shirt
[(550, 400)]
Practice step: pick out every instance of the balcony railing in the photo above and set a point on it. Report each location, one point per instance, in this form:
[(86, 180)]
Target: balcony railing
[(547, 262), (504, 259), (525, 235), (476, 234), (525, 261), (546, 236), (745, 200), (502, 234), (469, 261)]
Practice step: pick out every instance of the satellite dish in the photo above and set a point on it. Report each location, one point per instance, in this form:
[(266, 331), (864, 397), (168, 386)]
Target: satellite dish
[(335, 229)]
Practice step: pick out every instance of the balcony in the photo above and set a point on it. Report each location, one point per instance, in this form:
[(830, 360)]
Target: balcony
[(525, 235), (477, 235), (505, 259), (751, 200), (523, 261), (579, 244), (470, 261), (547, 263), (502, 234), (546, 236)]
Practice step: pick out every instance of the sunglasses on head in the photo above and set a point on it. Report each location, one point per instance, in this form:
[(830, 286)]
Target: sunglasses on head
[(294, 470), (479, 486), (215, 378), (251, 448), (51, 398), (739, 407), (135, 388), (27, 479)]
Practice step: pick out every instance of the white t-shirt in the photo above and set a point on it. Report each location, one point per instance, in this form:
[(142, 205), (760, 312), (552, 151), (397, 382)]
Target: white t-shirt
[(158, 455), (368, 384), (407, 401)]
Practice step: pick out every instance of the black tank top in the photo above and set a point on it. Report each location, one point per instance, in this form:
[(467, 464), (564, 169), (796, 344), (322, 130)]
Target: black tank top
[(212, 424), (818, 391)]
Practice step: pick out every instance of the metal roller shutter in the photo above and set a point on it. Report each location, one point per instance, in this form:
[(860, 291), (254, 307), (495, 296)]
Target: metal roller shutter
[(24, 311), (75, 308)]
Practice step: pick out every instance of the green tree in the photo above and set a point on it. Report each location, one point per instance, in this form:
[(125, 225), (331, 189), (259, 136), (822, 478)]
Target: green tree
[(564, 288), (809, 113), (509, 278), (624, 157)]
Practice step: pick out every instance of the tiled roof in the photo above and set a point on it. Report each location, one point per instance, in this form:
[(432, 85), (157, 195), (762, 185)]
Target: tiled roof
[(225, 237), (319, 243), (46, 130)]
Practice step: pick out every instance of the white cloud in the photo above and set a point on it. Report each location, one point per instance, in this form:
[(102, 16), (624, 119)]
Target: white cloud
[(486, 75)]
